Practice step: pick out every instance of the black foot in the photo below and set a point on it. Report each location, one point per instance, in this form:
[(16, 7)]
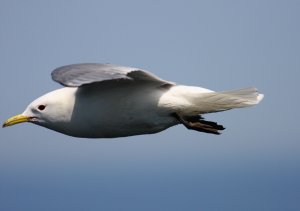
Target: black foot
[(199, 124)]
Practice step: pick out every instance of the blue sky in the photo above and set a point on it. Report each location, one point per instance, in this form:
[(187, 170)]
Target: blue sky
[(221, 45)]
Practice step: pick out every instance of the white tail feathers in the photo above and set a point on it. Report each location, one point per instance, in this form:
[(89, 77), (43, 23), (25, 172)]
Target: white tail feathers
[(221, 101), (245, 97), (191, 101)]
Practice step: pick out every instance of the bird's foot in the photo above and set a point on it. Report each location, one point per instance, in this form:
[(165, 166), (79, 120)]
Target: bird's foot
[(199, 124)]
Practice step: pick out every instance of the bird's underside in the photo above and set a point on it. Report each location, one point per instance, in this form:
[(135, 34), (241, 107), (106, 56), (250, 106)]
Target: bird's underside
[(199, 124)]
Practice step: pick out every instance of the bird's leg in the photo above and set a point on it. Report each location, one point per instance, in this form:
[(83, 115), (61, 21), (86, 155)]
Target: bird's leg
[(198, 124)]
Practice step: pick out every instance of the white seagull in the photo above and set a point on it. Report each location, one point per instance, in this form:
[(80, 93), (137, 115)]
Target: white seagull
[(108, 101)]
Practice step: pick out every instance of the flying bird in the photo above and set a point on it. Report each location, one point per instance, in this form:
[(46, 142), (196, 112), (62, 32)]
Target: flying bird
[(109, 101)]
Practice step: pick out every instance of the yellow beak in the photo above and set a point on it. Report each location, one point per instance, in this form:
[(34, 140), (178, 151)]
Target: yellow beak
[(16, 120)]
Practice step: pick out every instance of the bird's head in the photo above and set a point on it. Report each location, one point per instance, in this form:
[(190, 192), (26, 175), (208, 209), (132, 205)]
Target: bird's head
[(51, 109)]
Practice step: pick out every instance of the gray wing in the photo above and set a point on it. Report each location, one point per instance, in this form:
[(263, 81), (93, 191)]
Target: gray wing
[(76, 75)]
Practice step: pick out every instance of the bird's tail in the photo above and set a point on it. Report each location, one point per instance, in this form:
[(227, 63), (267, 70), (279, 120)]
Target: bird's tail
[(201, 101), (221, 101)]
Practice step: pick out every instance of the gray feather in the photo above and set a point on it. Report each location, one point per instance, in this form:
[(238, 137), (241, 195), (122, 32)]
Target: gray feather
[(76, 75)]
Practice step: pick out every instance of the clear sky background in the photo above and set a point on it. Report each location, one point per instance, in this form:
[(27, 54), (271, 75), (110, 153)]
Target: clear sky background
[(221, 45)]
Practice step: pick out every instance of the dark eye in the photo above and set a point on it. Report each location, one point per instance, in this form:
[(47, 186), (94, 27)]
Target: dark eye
[(41, 107)]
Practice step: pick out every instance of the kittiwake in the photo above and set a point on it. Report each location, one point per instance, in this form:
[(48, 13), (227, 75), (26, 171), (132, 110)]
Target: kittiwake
[(109, 101)]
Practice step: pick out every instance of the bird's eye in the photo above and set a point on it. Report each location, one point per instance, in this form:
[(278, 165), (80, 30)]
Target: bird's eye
[(41, 107)]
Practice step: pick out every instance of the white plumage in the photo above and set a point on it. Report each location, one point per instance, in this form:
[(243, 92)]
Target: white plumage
[(106, 101)]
